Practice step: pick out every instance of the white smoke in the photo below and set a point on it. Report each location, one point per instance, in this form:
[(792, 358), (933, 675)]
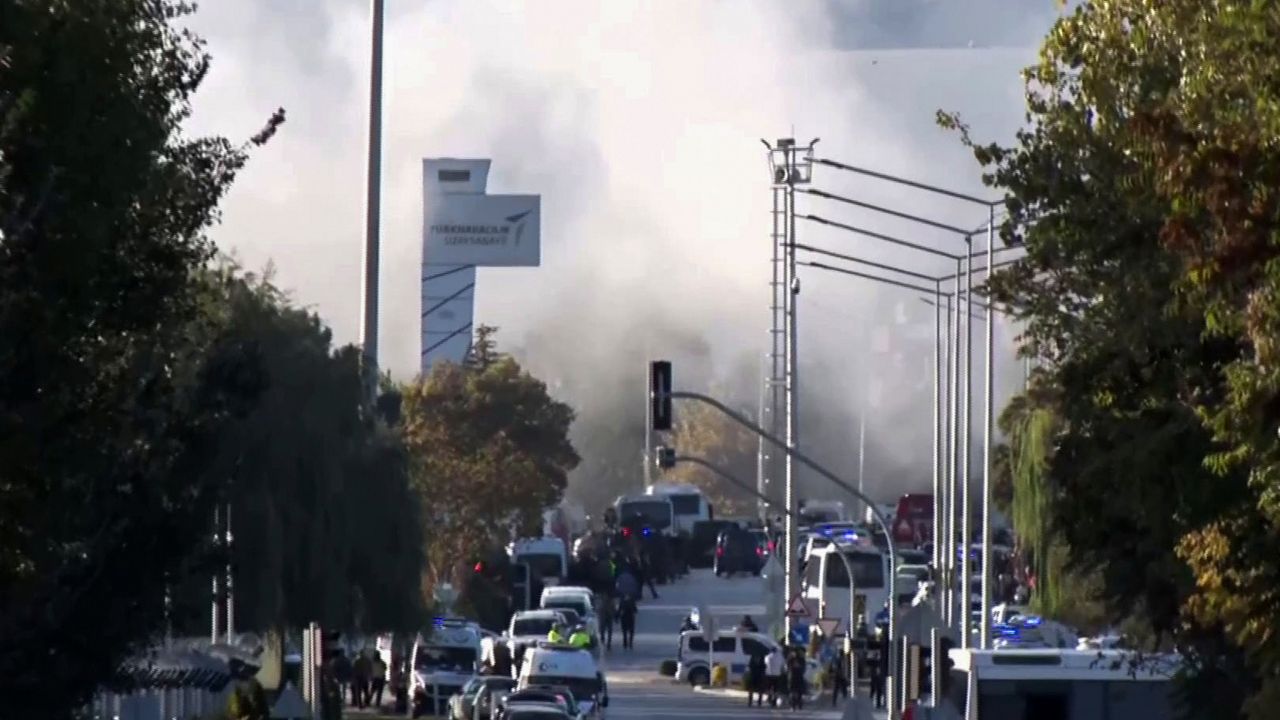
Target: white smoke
[(639, 124)]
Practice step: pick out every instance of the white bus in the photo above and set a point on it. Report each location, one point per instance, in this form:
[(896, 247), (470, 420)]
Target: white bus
[(653, 511), (826, 580), (1061, 685), (688, 505)]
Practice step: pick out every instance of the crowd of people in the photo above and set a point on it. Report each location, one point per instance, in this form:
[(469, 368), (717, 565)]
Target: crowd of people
[(362, 677)]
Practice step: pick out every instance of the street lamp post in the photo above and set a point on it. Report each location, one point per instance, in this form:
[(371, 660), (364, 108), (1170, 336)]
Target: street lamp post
[(373, 203)]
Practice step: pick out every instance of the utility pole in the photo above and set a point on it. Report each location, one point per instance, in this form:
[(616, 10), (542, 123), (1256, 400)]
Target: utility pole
[(373, 202)]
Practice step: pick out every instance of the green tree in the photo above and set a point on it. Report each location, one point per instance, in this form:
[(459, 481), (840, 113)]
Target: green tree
[(1144, 193), (323, 515), (490, 451), (112, 384)]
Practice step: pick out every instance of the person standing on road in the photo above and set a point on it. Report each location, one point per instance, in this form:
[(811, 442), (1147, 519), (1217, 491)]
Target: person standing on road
[(378, 681), (361, 669), (608, 605), (839, 672), (756, 679), (795, 678), (773, 674), (628, 585), (627, 618)]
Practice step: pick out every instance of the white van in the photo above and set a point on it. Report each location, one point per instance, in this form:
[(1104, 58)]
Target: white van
[(576, 598), (547, 557), (733, 650), (551, 664), (826, 581), (444, 660), (1061, 684), (688, 505)]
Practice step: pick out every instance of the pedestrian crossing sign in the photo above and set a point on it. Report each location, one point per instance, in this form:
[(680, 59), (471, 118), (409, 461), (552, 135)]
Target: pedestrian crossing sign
[(796, 608)]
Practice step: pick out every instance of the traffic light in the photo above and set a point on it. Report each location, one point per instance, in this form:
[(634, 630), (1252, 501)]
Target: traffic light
[(660, 394)]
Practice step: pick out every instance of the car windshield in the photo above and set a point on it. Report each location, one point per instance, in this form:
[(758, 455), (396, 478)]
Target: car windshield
[(460, 659), (542, 564), (582, 688), (868, 571), (654, 513), (532, 626), (688, 504), (577, 605)]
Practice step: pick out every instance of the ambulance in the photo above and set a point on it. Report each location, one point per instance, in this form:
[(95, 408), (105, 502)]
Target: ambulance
[(444, 659), (564, 665)]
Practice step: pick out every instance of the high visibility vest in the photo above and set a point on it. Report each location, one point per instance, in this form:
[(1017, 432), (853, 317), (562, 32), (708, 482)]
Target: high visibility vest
[(580, 639), (554, 636)]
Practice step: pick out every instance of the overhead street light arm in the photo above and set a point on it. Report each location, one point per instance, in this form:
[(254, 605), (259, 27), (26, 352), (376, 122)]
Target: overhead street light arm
[(887, 211), (869, 263), (908, 183), (880, 236), (876, 278)]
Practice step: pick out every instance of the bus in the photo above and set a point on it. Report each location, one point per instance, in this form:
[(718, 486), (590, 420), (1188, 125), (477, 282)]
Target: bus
[(688, 505), (653, 511), (1051, 684)]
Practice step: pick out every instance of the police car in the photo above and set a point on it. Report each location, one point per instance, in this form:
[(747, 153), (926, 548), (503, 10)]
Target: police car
[(550, 664), (444, 660)]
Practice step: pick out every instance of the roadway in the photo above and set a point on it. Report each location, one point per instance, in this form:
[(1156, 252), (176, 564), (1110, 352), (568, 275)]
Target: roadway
[(637, 691)]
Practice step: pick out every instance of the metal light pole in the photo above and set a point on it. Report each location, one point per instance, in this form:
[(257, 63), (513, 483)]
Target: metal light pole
[(953, 449), (987, 439), (937, 419), (372, 242), (965, 511), (762, 505)]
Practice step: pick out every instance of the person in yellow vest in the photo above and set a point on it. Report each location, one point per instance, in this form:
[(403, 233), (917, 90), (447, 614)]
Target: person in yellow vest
[(555, 636), (580, 639)]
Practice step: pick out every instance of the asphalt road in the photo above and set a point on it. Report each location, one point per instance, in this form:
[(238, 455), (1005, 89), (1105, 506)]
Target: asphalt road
[(637, 691)]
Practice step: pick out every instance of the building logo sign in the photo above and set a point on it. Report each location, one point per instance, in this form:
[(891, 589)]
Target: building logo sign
[(483, 230)]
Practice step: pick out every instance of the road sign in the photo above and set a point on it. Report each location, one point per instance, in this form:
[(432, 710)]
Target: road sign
[(796, 608), (829, 626)]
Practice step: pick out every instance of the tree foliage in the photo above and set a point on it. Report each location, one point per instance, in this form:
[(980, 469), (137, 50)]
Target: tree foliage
[(490, 452), (323, 521), (112, 383), (1145, 193)]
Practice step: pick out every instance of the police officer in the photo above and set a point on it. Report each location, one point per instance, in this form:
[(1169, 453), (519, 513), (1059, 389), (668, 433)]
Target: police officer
[(579, 638), (556, 634)]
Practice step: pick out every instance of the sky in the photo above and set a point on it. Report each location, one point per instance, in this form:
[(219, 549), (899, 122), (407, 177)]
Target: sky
[(639, 123)]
